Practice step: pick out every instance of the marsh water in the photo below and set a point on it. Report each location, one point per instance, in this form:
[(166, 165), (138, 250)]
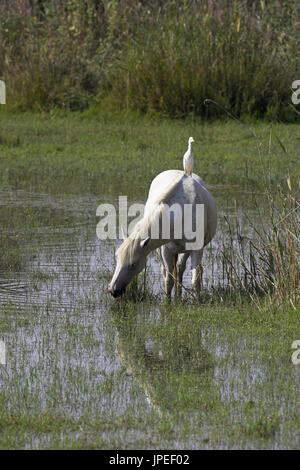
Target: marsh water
[(66, 349)]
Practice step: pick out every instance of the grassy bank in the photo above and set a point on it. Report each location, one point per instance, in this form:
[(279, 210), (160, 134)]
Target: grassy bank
[(102, 154), (165, 57)]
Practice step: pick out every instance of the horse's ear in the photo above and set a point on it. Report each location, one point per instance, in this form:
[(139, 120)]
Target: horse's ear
[(144, 242)]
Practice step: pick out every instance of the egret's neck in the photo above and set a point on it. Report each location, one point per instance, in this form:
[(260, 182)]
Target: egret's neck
[(190, 147)]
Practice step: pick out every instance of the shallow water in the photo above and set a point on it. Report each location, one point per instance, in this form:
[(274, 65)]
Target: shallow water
[(73, 255), (64, 349)]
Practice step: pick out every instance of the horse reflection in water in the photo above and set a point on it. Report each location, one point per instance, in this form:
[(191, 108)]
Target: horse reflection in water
[(175, 376)]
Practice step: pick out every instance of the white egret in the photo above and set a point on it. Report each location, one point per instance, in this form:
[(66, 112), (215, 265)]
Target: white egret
[(188, 159)]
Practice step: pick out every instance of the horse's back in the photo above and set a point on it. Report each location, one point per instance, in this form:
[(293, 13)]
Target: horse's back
[(173, 186), (166, 178)]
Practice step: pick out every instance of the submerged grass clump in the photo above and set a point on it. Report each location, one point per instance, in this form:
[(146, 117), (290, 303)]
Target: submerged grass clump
[(215, 373)]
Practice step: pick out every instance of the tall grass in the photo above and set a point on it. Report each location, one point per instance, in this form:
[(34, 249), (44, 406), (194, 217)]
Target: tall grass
[(242, 57), (157, 56), (265, 262)]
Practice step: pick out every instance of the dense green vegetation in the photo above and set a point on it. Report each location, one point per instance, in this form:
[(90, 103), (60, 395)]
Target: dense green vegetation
[(159, 56)]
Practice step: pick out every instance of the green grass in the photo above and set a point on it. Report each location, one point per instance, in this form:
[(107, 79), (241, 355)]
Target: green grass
[(109, 155)]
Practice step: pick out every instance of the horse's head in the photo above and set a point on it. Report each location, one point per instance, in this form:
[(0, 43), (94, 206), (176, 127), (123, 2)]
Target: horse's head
[(131, 260)]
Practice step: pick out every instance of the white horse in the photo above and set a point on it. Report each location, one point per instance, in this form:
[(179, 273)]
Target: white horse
[(171, 188)]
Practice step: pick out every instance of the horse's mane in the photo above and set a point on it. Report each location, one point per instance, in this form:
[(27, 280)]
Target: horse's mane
[(129, 245)]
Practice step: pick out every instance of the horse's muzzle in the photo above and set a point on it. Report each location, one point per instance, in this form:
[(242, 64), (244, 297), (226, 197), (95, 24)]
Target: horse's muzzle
[(116, 292)]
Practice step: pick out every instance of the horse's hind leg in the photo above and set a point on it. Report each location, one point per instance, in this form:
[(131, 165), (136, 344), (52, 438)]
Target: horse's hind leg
[(181, 264), (197, 270)]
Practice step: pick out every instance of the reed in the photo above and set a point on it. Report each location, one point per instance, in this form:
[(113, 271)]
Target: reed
[(263, 262)]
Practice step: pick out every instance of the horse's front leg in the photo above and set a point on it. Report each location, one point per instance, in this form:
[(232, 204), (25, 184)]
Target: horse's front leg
[(167, 269), (197, 270), (181, 265)]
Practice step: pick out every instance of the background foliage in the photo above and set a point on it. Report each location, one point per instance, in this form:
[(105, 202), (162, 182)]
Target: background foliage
[(161, 56)]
